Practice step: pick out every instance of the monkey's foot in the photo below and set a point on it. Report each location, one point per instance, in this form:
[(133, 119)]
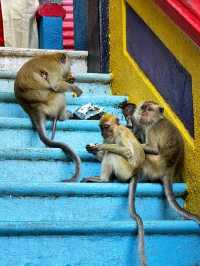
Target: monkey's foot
[(93, 179), (68, 180), (66, 115)]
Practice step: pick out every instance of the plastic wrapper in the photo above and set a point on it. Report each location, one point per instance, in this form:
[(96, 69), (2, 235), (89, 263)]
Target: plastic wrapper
[(89, 111)]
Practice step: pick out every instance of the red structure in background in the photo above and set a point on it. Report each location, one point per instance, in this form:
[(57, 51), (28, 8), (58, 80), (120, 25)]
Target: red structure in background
[(186, 14), (1, 28), (68, 25)]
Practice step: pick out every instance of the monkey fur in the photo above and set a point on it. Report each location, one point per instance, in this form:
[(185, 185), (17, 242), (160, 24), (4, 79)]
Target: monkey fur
[(163, 137), (39, 88), (128, 111), (121, 154)]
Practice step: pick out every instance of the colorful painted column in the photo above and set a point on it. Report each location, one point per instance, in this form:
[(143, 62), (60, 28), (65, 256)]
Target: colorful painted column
[(152, 58), (50, 17)]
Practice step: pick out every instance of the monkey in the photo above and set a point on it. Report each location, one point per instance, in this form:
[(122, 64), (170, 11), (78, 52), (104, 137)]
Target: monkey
[(128, 111), (161, 135), (68, 115), (121, 155), (39, 88)]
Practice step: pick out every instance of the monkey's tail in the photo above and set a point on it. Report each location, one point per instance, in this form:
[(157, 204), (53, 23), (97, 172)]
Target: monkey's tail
[(66, 149), (167, 183), (138, 219)]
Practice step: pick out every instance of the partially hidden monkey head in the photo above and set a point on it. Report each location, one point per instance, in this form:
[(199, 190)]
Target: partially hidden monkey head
[(128, 110), (108, 124), (148, 113)]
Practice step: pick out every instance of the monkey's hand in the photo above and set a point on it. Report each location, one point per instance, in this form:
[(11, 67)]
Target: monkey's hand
[(76, 90), (92, 148), (70, 78), (128, 154)]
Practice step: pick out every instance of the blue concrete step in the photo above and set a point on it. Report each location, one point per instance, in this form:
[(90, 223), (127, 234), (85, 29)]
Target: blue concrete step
[(90, 83), (9, 107), (42, 165), (18, 133), (83, 202), (98, 243), (44, 222)]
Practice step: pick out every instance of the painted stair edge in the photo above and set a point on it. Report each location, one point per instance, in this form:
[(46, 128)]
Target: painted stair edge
[(108, 100), (98, 227), (84, 189), (67, 125), (86, 77), (26, 52)]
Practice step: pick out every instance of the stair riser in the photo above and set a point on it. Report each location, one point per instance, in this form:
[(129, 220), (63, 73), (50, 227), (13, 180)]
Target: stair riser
[(14, 110), (12, 138), (43, 171), (88, 88), (78, 65), (98, 250), (85, 208), (12, 59)]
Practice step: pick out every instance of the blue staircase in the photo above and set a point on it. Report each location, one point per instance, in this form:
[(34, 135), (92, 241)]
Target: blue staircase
[(44, 222)]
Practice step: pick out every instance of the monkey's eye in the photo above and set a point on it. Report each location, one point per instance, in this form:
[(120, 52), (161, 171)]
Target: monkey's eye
[(161, 110), (144, 107), (104, 126), (63, 59)]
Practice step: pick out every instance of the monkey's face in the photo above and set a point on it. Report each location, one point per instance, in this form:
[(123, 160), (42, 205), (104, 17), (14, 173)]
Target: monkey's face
[(128, 111), (107, 132), (149, 113), (108, 124)]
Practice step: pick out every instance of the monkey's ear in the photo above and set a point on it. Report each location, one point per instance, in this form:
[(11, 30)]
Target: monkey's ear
[(123, 104), (63, 59), (161, 110)]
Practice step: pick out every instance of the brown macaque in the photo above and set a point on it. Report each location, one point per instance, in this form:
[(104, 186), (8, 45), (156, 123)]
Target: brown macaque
[(163, 137), (128, 110), (40, 88), (121, 155)]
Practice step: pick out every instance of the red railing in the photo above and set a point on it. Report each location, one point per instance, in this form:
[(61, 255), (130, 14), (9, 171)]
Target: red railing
[(186, 14), (68, 25)]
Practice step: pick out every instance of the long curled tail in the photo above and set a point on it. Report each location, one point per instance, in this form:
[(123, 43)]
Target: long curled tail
[(167, 183), (138, 219), (53, 144)]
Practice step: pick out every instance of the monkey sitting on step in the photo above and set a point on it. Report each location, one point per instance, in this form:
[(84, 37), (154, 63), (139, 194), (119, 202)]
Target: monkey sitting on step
[(121, 155), (40, 88), (163, 137)]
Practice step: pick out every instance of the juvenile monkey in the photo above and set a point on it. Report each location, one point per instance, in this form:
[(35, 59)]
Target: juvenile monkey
[(139, 132), (163, 137), (121, 155), (128, 110), (39, 88)]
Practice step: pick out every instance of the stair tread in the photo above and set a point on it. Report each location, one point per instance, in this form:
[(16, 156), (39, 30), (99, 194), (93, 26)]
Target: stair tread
[(87, 77), (85, 189), (95, 227), (83, 99), (22, 52)]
